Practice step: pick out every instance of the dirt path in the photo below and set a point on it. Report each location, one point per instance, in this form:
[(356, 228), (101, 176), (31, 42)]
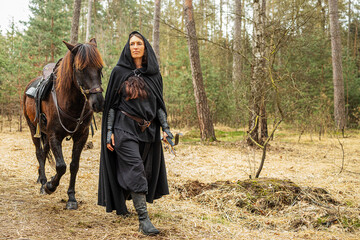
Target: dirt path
[(25, 214)]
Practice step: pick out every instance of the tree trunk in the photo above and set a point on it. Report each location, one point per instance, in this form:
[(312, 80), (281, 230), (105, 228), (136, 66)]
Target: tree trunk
[(258, 76), (237, 66), (348, 32), (75, 22), (220, 18), (236, 76), (263, 121), (52, 47), (2, 116), (339, 100), (205, 121), (88, 24), (355, 42), (323, 15), (140, 15), (20, 121), (156, 29)]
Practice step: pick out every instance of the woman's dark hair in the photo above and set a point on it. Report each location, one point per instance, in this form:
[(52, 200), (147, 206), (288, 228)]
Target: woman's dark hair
[(134, 88), (144, 58)]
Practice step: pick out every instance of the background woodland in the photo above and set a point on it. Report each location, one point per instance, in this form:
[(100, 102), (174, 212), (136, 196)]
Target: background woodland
[(296, 49)]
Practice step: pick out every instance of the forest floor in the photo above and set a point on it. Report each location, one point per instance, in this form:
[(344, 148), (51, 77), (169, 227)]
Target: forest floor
[(300, 194)]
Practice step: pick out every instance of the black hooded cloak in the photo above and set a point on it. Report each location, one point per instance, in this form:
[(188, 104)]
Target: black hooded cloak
[(110, 194)]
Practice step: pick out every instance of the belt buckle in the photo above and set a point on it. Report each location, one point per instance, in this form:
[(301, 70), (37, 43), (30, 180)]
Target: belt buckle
[(145, 124)]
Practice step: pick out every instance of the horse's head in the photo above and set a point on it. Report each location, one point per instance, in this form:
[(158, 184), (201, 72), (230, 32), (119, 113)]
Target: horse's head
[(87, 65)]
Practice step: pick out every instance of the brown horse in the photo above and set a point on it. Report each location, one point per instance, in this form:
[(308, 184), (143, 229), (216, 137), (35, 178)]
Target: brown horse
[(67, 111)]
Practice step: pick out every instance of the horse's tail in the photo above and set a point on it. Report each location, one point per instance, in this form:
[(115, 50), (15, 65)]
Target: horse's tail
[(51, 160), (49, 155)]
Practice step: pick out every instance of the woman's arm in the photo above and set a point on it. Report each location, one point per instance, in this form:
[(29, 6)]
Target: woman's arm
[(110, 142), (165, 126)]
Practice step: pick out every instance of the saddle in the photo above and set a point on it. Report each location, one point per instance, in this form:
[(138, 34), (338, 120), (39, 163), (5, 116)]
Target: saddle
[(40, 89)]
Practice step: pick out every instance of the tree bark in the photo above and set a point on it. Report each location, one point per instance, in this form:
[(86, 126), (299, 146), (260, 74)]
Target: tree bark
[(205, 121), (52, 43), (88, 24), (156, 29), (338, 81), (220, 18), (263, 120), (237, 61), (258, 76), (355, 42), (140, 15), (348, 32), (323, 15), (236, 76), (74, 35)]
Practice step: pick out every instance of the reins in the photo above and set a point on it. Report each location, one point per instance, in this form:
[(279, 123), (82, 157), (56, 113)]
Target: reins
[(78, 121)]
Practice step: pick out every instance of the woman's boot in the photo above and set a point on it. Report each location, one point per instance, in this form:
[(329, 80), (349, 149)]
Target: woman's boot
[(145, 226)]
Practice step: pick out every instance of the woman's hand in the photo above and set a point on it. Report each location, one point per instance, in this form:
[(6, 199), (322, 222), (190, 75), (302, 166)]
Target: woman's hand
[(165, 135), (111, 146), (168, 136)]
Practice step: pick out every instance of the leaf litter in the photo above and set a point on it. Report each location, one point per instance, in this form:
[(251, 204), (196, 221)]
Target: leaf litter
[(300, 194)]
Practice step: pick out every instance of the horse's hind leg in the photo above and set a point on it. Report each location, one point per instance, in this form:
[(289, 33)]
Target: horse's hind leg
[(44, 151), (79, 143), (40, 155)]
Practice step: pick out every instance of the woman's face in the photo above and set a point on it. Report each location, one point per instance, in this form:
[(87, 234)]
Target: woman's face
[(137, 47)]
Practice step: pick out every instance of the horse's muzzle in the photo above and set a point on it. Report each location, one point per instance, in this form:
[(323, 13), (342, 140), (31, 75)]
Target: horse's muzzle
[(96, 102)]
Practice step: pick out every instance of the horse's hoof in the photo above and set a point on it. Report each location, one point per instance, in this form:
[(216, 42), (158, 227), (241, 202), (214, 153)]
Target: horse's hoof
[(71, 205), (48, 188)]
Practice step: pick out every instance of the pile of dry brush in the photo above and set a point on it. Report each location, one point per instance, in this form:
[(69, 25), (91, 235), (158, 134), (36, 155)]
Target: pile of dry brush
[(282, 203)]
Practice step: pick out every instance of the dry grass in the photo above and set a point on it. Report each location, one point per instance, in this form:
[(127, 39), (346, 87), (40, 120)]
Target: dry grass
[(300, 195)]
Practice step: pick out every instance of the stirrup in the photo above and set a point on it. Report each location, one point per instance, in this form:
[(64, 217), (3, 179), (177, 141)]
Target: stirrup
[(37, 132)]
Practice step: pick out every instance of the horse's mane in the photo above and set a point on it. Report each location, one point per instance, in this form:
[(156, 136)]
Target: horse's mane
[(87, 56)]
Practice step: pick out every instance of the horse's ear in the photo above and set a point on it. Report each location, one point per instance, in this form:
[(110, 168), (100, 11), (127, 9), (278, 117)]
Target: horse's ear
[(69, 46), (93, 40)]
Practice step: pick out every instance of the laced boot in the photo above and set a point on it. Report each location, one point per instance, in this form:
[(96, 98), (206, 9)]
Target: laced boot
[(145, 225)]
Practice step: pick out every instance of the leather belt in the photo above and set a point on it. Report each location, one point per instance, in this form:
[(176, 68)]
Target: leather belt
[(143, 124)]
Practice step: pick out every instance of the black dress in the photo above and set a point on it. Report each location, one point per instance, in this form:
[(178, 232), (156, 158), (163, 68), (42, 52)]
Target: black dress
[(137, 164), (131, 144)]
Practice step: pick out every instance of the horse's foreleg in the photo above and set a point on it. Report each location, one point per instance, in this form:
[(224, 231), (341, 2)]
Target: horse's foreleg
[(55, 145), (79, 143)]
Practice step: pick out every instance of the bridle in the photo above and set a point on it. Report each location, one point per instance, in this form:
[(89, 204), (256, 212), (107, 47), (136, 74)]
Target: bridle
[(94, 90), (85, 93)]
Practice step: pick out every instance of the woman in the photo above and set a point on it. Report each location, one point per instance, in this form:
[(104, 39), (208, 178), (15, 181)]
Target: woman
[(132, 161)]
